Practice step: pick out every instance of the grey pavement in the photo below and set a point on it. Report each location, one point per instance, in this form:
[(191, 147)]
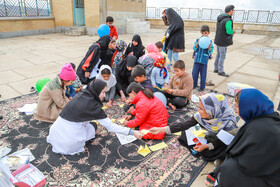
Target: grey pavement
[(24, 60)]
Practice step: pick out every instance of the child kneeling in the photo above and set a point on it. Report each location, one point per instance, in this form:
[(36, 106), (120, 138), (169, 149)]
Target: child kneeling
[(149, 112), (107, 76)]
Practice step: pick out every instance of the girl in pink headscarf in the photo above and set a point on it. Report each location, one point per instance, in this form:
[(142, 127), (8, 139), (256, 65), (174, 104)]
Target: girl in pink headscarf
[(148, 60)]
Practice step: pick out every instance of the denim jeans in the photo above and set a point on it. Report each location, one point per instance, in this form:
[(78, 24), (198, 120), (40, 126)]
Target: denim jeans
[(171, 54), (201, 69), (220, 58)]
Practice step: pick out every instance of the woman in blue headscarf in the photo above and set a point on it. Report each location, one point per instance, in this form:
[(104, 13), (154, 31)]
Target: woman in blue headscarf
[(253, 157)]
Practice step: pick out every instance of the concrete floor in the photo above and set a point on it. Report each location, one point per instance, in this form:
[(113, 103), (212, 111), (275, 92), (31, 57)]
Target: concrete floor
[(24, 60)]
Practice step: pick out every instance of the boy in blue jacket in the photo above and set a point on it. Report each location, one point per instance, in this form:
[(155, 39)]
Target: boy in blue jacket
[(201, 57)]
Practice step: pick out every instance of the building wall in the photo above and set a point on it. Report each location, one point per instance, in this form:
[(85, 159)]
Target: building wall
[(63, 12), (121, 10), (24, 27)]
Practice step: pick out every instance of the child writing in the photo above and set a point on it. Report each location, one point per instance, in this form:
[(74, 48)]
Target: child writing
[(52, 97), (118, 55), (149, 112), (179, 91), (201, 57), (135, 48), (160, 75), (106, 75), (160, 47), (113, 29), (139, 75)]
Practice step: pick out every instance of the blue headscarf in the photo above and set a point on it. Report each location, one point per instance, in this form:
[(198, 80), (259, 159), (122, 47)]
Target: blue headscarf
[(253, 103)]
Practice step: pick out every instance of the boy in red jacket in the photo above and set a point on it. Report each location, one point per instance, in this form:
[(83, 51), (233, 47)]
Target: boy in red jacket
[(149, 111), (113, 29)]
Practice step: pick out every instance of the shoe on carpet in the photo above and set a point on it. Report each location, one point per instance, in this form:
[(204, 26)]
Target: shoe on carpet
[(223, 74), (215, 71), (210, 180), (210, 83)]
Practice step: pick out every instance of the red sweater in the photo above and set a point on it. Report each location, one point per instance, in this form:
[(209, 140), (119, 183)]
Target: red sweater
[(148, 113), (113, 32)]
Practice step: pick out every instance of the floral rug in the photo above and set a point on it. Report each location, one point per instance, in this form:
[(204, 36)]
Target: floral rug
[(105, 162)]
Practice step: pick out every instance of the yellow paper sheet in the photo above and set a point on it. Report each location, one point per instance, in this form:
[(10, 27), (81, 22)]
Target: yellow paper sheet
[(178, 133), (164, 88), (95, 121), (122, 120), (113, 120), (158, 146), (143, 151), (144, 131), (199, 133), (104, 107), (158, 88), (121, 105)]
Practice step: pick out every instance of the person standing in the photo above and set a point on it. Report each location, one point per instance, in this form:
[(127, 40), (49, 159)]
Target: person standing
[(174, 36), (223, 38)]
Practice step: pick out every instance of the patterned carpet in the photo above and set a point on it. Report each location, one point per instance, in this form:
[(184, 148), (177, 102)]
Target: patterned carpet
[(105, 162)]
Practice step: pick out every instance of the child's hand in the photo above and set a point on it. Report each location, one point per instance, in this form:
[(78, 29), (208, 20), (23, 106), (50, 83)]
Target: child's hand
[(165, 85), (154, 85), (170, 91), (200, 148), (130, 53), (78, 89), (123, 97), (109, 104), (87, 74), (130, 109), (138, 134), (209, 47), (156, 130), (125, 122), (128, 117), (192, 57), (197, 44)]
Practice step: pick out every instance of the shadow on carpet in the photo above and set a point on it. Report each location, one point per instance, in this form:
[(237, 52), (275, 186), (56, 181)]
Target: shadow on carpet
[(105, 162)]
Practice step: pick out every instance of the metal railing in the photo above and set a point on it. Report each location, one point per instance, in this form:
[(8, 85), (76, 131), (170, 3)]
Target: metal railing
[(207, 14), (25, 8)]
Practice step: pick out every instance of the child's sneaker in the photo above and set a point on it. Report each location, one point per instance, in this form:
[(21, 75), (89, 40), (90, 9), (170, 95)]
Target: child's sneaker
[(210, 180)]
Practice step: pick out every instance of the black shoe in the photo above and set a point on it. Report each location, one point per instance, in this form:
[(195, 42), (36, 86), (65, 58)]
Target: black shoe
[(201, 89), (32, 89), (215, 71), (223, 74)]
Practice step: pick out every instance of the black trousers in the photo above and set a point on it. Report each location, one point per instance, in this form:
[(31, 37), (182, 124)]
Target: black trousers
[(177, 101)]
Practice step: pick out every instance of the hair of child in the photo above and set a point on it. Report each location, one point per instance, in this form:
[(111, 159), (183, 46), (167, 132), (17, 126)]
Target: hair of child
[(138, 71), (109, 19), (229, 8), (113, 41), (105, 71), (137, 88), (237, 96), (180, 64), (159, 44), (205, 28), (73, 65)]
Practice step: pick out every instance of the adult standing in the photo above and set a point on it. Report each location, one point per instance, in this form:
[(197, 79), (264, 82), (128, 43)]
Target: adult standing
[(175, 36), (223, 38)]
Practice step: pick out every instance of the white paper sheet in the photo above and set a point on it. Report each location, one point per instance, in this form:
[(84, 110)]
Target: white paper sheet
[(28, 108), (225, 137), (195, 99), (190, 136), (24, 152), (125, 139), (94, 70)]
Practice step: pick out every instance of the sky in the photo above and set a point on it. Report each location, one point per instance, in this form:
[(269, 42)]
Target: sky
[(272, 5)]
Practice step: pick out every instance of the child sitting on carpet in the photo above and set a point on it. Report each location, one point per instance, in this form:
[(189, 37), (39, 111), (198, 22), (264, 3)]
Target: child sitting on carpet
[(160, 75), (76, 86), (52, 98), (179, 91), (118, 55), (149, 112), (139, 75), (106, 75), (135, 48)]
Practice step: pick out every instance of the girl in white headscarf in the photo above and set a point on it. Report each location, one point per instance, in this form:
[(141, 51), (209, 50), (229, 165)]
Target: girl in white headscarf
[(107, 76)]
